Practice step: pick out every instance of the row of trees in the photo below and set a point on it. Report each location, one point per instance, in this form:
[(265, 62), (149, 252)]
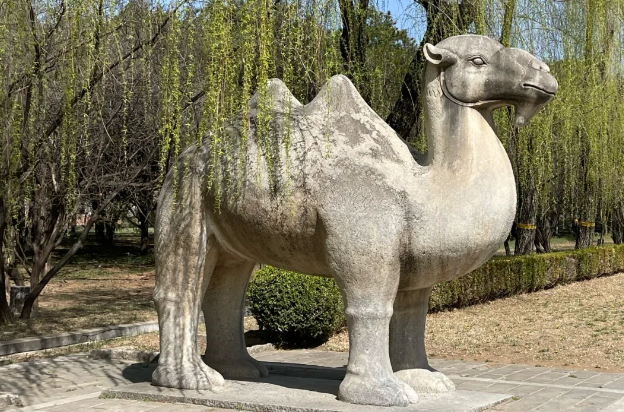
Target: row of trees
[(98, 97)]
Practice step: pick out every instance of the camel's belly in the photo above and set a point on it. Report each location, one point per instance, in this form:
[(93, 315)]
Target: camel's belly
[(281, 234)]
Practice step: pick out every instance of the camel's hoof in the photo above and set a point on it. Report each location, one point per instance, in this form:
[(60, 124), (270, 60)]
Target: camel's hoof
[(366, 390), (425, 381), (248, 368), (191, 375)]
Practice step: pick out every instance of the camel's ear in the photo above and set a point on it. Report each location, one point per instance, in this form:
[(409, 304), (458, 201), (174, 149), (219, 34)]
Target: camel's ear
[(439, 56)]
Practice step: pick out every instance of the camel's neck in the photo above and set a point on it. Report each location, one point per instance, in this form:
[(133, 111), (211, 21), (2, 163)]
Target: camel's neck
[(456, 135)]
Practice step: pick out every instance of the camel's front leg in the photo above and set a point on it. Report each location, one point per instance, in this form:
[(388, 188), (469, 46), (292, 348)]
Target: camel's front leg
[(368, 303), (407, 344)]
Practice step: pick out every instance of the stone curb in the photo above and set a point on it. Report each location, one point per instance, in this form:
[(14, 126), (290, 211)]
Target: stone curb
[(130, 354), (72, 338)]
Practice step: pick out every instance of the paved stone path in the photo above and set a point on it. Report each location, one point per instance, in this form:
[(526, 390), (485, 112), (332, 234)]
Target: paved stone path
[(75, 382), (537, 388)]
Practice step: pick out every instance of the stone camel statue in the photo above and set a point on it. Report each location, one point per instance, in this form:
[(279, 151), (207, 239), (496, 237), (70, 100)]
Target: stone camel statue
[(350, 200)]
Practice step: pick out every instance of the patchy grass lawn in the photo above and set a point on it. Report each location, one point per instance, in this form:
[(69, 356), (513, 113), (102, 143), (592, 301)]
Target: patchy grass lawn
[(576, 325), (100, 287), (580, 325)]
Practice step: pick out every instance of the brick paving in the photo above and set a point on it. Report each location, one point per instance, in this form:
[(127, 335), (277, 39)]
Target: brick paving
[(75, 382)]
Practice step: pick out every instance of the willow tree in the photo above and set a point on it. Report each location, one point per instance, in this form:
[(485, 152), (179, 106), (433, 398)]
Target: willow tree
[(564, 162), (70, 143), (585, 122), (613, 198)]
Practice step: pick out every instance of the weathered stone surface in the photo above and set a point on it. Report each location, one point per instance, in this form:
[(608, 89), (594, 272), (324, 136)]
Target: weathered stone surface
[(9, 399), (288, 394), (260, 348), (351, 201), (124, 353), (17, 297)]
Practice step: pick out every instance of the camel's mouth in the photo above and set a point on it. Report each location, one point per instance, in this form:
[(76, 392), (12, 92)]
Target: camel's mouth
[(538, 88)]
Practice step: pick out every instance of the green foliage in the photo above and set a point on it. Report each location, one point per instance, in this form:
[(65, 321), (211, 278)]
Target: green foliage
[(296, 309), (502, 277)]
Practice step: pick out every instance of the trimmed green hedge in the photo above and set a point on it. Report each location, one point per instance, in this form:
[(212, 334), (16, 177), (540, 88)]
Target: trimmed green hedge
[(296, 310), (508, 276), (301, 310)]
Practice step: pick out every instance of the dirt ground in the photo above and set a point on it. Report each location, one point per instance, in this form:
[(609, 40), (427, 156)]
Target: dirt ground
[(580, 325), (108, 296)]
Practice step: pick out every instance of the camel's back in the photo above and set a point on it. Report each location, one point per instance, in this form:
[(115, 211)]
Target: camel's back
[(273, 209)]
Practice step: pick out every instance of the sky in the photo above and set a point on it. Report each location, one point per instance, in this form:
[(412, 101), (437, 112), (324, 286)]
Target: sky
[(406, 14)]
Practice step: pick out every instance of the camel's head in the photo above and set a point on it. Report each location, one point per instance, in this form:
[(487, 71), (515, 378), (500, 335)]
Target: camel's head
[(479, 72)]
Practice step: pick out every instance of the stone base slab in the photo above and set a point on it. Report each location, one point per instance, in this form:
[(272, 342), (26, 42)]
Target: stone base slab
[(293, 394)]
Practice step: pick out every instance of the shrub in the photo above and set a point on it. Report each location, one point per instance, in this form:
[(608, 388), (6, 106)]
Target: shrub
[(506, 276), (296, 310)]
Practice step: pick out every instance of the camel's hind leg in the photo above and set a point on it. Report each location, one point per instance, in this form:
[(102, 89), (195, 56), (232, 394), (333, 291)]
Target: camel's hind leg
[(407, 343), (185, 257), (224, 311)]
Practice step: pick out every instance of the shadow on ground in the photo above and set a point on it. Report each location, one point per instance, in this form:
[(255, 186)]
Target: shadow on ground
[(320, 379)]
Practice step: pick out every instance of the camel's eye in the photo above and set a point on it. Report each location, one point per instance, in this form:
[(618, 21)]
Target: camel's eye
[(478, 61)]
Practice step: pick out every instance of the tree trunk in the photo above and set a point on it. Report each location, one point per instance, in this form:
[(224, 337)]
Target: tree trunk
[(99, 232), (48, 218), (110, 232), (40, 268), (585, 235), (507, 248), (617, 224), (5, 312), (525, 239), (600, 229), (526, 227), (527, 210), (144, 236), (546, 226), (353, 43), (617, 232)]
